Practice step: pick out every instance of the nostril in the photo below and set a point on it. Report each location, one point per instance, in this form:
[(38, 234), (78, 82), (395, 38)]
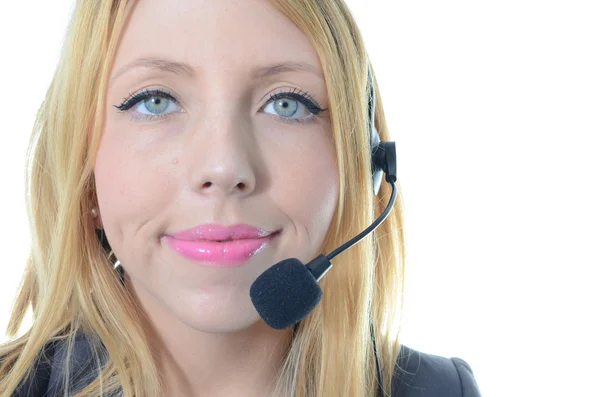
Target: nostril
[(207, 184)]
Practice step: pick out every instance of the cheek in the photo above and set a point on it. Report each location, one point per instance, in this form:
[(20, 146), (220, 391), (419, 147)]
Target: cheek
[(132, 185), (308, 190)]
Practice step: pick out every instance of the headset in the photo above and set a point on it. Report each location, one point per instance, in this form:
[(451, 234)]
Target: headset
[(288, 291)]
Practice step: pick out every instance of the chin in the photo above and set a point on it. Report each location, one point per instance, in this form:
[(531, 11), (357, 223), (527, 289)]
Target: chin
[(224, 324), (219, 315)]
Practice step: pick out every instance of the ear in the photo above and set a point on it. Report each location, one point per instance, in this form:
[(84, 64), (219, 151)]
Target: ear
[(97, 220), (92, 210)]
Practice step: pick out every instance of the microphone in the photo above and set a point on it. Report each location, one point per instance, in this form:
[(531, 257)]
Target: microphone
[(287, 292)]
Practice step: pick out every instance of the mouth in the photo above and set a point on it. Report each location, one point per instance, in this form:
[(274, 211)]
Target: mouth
[(223, 252), (219, 233)]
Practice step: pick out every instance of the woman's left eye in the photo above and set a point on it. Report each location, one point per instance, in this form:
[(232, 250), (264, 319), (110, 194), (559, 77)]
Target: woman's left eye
[(293, 107)]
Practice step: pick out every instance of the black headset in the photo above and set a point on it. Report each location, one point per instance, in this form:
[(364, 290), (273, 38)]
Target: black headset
[(383, 160), (288, 291)]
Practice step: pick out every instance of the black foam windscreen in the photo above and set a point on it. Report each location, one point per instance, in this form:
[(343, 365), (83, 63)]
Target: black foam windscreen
[(285, 293)]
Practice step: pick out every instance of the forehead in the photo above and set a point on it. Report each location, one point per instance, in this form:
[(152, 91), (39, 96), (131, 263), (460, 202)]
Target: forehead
[(212, 35)]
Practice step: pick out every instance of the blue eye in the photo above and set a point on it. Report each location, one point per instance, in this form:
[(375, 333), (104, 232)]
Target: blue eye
[(153, 101), (291, 103)]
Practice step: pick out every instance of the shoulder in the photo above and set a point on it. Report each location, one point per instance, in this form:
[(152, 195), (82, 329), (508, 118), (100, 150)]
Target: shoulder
[(419, 374), (36, 383), (47, 376)]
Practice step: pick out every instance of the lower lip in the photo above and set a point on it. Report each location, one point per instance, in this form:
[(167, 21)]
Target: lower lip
[(224, 254)]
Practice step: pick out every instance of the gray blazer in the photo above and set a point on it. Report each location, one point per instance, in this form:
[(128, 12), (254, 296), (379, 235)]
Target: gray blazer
[(417, 374)]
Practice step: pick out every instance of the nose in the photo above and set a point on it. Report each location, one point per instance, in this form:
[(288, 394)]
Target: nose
[(221, 155)]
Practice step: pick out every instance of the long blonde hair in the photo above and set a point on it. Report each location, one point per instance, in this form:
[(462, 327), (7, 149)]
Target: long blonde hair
[(69, 281)]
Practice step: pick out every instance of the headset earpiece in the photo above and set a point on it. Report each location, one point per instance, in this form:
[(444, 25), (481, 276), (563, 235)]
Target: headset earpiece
[(383, 154)]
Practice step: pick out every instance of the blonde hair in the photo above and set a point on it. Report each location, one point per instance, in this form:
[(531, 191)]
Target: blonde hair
[(69, 280)]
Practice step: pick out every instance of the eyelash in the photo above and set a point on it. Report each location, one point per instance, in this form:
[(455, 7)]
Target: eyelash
[(301, 96)]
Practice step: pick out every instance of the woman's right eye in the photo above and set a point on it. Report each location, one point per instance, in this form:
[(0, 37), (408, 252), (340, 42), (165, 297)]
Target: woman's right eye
[(154, 101)]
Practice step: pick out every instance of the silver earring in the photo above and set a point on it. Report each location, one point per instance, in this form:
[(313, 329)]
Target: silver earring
[(120, 271), (94, 212)]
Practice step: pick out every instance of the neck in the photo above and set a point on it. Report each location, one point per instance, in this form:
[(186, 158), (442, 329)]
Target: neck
[(244, 363), (194, 363)]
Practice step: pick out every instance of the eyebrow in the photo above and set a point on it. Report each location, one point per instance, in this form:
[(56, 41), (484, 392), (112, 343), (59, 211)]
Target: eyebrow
[(186, 70)]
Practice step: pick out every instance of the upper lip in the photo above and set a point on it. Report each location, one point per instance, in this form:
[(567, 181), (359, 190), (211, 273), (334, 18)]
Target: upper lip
[(214, 232)]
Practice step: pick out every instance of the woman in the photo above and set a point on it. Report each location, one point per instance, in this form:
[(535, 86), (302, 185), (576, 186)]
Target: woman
[(169, 129)]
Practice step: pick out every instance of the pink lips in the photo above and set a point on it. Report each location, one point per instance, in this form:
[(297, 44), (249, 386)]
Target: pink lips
[(206, 243)]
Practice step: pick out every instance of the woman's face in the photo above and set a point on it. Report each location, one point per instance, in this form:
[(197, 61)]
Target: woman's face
[(208, 146)]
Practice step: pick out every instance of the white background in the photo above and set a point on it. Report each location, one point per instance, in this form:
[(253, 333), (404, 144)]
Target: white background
[(495, 107)]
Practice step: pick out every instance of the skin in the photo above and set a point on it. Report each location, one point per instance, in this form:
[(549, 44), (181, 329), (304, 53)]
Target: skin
[(219, 156)]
